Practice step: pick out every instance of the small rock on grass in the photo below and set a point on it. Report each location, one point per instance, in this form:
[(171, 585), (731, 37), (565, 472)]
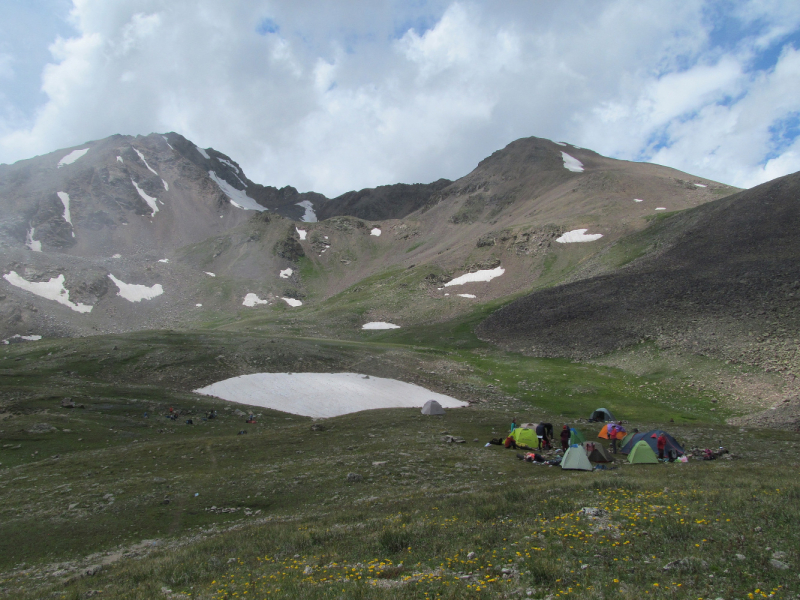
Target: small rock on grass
[(353, 477), (776, 564)]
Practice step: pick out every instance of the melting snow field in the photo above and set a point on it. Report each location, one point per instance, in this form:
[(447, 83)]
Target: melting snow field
[(324, 395), (466, 295), (134, 292), (286, 273), (72, 157), (379, 325), (484, 275), (571, 163), (375, 231), (302, 233), (27, 338), (310, 216), (237, 197), (64, 197), (52, 290), (31, 243), (151, 202), (292, 302), (578, 235), (252, 300)]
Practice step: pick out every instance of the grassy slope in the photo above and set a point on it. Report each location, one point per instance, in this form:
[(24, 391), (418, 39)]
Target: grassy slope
[(107, 492)]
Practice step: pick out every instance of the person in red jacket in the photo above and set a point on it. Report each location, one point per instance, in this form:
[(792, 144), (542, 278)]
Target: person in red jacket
[(661, 444), (565, 433)]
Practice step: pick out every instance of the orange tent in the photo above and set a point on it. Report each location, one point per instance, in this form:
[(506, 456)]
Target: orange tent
[(605, 432)]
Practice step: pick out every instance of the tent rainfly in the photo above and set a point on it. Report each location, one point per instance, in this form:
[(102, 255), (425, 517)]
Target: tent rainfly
[(642, 453), (525, 438), (575, 459), (602, 414), (432, 407), (651, 438), (597, 453), (575, 436)]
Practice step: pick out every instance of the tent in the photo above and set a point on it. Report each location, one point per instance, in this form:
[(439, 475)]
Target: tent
[(597, 453), (642, 453), (575, 436), (602, 414), (575, 459), (651, 438), (604, 432), (627, 439), (525, 438), (432, 407)]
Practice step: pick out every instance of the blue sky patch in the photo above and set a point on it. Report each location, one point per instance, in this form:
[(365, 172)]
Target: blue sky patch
[(267, 26), (768, 58), (782, 134)]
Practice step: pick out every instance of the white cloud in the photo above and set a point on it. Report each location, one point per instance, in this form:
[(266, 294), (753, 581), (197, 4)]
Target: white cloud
[(339, 96)]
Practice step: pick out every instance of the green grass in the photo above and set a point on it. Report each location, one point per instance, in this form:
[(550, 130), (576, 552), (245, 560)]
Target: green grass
[(277, 500)]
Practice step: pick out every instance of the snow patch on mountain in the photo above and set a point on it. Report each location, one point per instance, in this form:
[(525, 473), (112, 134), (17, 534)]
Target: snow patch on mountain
[(375, 231), (237, 197), (324, 395), (661, 208), (466, 295), (638, 200), (286, 273), (571, 163), (26, 338), (64, 197), (119, 160), (168, 144), (134, 292), (310, 216), (151, 202), (152, 170), (292, 302), (31, 243), (252, 299), (578, 235), (379, 325), (203, 152), (209, 274), (166, 185), (72, 157), (302, 233), (164, 260), (53, 289), (700, 185), (483, 275), (229, 163)]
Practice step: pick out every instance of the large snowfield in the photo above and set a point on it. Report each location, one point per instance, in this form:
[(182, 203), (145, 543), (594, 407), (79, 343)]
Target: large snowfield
[(53, 289), (323, 395), (578, 235)]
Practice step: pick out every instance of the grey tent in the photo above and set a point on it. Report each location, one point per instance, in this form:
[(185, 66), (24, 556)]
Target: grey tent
[(432, 407), (597, 453), (602, 414)]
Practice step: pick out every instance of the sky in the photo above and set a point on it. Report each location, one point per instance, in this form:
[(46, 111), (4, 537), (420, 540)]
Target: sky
[(335, 95)]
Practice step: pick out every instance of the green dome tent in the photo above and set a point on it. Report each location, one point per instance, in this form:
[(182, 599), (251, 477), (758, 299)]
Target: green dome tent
[(642, 453), (525, 438), (575, 436), (575, 459)]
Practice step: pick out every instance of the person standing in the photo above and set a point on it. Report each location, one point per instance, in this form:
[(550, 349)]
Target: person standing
[(612, 435), (661, 444), (565, 433), (513, 424)]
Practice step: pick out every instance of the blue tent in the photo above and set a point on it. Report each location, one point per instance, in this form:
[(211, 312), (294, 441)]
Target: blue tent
[(651, 437)]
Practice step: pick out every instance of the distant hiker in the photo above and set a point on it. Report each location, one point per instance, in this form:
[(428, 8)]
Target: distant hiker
[(513, 424), (212, 414), (661, 444), (565, 433)]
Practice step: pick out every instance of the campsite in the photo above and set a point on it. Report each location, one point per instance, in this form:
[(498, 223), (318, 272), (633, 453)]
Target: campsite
[(379, 503)]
